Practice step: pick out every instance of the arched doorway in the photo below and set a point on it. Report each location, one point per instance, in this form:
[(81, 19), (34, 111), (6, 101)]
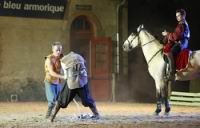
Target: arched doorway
[(97, 52), (80, 36)]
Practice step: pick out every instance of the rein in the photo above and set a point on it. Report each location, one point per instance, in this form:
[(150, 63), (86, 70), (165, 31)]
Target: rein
[(154, 56), (137, 35), (129, 42), (148, 42)]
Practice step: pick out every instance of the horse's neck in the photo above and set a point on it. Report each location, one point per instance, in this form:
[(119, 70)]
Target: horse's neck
[(150, 45)]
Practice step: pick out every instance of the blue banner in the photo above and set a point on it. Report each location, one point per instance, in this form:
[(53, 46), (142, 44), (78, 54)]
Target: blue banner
[(52, 9)]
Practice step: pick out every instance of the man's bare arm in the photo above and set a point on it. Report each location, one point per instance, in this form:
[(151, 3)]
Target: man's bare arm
[(51, 71)]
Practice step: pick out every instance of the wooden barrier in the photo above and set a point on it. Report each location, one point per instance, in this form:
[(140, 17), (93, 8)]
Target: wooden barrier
[(185, 98)]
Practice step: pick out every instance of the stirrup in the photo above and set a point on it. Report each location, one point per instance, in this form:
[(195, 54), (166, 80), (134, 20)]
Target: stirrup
[(171, 76)]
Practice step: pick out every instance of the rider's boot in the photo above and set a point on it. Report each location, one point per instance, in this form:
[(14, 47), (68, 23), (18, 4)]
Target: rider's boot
[(172, 70)]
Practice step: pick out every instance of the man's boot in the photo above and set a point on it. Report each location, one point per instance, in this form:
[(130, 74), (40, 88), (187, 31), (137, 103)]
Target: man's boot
[(55, 111), (95, 112), (49, 112), (172, 70)]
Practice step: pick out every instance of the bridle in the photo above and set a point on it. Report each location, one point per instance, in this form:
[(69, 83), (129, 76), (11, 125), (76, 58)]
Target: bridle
[(139, 41), (130, 42)]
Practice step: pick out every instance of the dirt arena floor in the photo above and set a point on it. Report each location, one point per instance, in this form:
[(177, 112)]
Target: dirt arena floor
[(113, 115)]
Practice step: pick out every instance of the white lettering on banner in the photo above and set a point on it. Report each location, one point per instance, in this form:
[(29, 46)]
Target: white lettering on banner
[(10, 5), (33, 7), (48, 7)]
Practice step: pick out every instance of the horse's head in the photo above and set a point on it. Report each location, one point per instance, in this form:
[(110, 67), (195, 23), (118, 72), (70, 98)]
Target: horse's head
[(131, 42), (141, 38)]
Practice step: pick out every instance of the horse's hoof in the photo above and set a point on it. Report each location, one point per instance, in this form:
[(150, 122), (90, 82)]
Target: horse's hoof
[(158, 110), (166, 113), (167, 110), (156, 113)]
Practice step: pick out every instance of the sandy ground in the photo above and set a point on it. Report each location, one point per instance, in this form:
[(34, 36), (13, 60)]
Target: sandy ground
[(113, 115)]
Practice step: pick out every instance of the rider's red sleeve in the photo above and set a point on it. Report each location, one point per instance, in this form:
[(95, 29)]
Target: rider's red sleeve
[(177, 34)]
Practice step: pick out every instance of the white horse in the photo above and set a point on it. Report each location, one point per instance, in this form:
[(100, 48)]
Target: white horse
[(152, 50)]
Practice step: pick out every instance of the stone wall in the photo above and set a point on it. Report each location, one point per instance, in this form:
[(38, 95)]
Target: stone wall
[(24, 42)]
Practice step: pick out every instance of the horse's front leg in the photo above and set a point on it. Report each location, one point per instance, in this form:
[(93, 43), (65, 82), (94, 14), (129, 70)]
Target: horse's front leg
[(159, 94), (158, 102)]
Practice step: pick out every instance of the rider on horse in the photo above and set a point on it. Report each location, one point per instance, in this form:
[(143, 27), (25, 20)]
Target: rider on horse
[(176, 41)]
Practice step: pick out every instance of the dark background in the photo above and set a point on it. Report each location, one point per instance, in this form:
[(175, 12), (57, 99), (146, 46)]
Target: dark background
[(155, 15)]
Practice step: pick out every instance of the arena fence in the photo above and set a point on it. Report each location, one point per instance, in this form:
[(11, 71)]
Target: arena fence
[(185, 98)]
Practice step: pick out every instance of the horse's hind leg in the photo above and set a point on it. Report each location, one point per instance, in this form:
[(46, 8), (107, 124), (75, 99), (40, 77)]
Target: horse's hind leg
[(167, 106), (166, 98)]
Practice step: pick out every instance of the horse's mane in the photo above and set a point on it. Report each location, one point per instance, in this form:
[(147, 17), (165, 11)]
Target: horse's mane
[(148, 34), (151, 36)]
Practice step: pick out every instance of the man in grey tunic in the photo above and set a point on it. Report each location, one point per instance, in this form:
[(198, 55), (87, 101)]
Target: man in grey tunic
[(75, 72)]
